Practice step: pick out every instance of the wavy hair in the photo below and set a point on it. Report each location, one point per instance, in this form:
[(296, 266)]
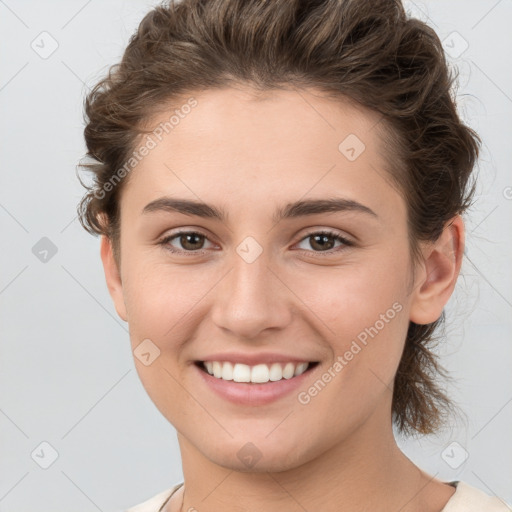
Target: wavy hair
[(368, 51)]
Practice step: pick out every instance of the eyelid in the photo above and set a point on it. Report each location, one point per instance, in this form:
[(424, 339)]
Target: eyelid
[(330, 232)]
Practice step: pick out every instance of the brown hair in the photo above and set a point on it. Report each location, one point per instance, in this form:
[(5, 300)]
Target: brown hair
[(369, 51)]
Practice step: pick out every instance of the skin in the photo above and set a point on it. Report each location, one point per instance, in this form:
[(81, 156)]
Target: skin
[(250, 155)]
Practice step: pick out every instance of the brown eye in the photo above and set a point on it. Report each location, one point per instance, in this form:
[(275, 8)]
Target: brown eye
[(322, 242), (191, 241), (184, 241), (325, 241)]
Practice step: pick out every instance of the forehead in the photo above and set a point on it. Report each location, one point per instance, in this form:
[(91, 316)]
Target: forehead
[(235, 144), (307, 114), (244, 119)]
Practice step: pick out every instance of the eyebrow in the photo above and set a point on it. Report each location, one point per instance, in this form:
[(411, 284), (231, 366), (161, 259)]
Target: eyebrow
[(289, 211)]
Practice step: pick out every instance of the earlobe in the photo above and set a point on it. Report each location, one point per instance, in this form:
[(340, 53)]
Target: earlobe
[(439, 273), (113, 277)]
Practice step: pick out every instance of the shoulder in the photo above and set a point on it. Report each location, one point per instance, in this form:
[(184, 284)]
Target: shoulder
[(156, 502), (471, 499)]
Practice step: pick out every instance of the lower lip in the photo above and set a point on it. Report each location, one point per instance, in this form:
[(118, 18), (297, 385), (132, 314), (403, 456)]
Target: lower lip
[(244, 393)]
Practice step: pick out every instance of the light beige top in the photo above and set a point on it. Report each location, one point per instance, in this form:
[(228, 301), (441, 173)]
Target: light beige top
[(466, 498)]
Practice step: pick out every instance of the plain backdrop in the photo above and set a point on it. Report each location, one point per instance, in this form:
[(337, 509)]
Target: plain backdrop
[(70, 398)]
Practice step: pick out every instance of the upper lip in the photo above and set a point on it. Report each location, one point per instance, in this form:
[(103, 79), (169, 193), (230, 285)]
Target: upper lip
[(253, 359)]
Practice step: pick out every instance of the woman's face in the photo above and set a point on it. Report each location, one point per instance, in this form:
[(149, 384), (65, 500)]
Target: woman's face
[(259, 283)]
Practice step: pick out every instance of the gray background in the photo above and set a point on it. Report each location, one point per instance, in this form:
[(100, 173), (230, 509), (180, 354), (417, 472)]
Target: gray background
[(67, 376)]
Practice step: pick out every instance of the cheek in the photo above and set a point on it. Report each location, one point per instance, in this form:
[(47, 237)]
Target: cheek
[(349, 300), (363, 319), (160, 302), (364, 326), (162, 307)]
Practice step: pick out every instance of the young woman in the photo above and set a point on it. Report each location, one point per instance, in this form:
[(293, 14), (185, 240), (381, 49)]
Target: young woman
[(279, 188)]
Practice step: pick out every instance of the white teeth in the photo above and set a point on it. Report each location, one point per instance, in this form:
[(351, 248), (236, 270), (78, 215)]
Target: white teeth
[(259, 373), (217, 369), (227, 371), (241, 373), (301, 368), (276, 372), (288, 370)]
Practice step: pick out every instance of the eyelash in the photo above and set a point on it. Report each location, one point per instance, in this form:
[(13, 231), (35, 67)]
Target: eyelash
[(336, 236)]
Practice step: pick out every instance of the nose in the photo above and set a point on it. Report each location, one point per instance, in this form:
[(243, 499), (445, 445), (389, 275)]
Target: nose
[(251, 299)]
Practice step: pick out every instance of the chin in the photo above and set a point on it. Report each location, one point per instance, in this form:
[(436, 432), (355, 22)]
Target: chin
[(256, 457)]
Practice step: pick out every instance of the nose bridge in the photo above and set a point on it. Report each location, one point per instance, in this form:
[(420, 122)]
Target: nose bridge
[(251, 298)]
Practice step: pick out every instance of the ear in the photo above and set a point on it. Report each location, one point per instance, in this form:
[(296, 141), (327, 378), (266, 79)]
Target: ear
[(438, 274), (113, 277)]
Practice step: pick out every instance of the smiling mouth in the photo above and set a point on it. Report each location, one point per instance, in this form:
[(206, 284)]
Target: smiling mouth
[(257, 374)]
